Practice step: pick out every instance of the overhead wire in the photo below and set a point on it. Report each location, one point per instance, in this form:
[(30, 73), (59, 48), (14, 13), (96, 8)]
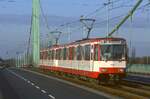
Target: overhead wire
[(44, 16), (95, 11), (68, 23), (87, 15), (100, 8), (116, 17)]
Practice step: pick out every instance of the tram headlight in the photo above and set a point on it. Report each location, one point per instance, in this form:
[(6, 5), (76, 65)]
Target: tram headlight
[(121, 70), (103, 70)]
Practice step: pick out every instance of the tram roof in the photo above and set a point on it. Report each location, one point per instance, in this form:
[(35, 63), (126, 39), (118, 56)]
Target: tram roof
[(85, 41)]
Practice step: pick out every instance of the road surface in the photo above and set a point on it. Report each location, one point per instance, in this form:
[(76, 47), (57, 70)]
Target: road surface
[(20, 84)]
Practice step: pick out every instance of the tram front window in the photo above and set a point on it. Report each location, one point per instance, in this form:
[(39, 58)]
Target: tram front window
[(112, 52)]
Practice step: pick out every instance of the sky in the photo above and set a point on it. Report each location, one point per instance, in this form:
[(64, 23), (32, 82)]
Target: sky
[(15, 17)]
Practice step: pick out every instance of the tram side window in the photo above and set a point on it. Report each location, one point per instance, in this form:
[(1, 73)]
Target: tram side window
[(87, 52), (40, 55), (46, 54), (78, 53), (57, 54), (71, 53), (49, 55), (61, 54), (67, 53), (53, 54), (96, 52), (82, 53), (64, 54)]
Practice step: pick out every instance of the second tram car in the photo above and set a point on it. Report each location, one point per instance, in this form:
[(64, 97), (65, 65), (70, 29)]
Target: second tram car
[(99, 58)]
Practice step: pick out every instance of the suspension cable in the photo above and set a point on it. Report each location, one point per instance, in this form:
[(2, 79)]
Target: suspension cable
[(44, 16)]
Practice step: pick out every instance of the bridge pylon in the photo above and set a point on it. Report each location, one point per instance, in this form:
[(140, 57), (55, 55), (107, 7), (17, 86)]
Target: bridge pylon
[(35, 33)]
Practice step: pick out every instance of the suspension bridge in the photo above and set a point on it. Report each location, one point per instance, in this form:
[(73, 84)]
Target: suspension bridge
[(86, 68)]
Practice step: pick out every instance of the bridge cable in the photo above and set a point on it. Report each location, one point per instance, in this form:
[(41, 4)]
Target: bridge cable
[(29, 40), (44, 16)]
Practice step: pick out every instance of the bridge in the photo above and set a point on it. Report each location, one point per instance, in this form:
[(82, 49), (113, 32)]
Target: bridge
[(86, 68)]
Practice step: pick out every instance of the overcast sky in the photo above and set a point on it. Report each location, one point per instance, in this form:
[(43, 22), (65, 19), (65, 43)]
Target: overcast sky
[(15, 16)]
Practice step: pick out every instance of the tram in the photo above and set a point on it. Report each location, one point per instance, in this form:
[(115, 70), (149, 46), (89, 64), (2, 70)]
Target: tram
[(104, 59)]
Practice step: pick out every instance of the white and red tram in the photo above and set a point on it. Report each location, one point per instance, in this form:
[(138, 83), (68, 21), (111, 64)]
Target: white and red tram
[(98, 58)]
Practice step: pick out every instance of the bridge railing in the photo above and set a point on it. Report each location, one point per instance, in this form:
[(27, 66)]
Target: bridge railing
[(138, 68)]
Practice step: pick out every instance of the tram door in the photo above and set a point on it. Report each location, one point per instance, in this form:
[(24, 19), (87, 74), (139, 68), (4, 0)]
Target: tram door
[(96, 57), (92, 58)]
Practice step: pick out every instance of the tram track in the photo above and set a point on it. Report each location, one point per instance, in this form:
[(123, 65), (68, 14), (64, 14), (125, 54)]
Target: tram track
[(136, 85), (137, 91), (137, 88), (138, 82), (124, 89)]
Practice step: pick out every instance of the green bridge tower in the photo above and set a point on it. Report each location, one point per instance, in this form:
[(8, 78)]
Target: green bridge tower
[(35, 32)]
